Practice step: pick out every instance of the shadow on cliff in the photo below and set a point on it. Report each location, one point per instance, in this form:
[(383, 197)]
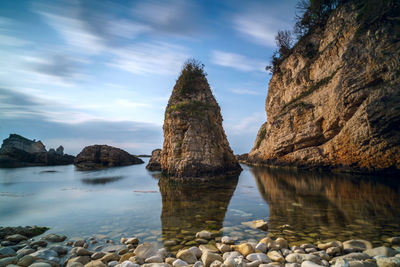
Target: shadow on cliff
[(326, 206), (189, 207)]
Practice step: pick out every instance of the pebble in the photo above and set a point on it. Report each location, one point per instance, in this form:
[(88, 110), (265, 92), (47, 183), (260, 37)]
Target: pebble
[(16, 238), (198, 264), (25, 261), (154, 259), (325, 246), (40, 264), (209, 257), (333, 251), (97, 263), (179, 262), (357, 245), (110, 257), (261, 247), (216, 263), (204, 235), (54, 238), (9, 260), (382, 251), (112, 263), (7, 251), (227, 240), (127, 264), (61, 250), (145, 251), (38, 243), (187, 256), (310, 264), (132, 241), (223, 247), (245, 249), (388, 262), (196, 251), (79, 243), (275, 256), (81, 259), (258, 257), (354, 256), (83, 252), (46, 254)]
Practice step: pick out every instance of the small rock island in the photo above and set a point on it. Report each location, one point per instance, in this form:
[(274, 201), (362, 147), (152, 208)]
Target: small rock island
[(195, 144), (18, 151), (103, 156)]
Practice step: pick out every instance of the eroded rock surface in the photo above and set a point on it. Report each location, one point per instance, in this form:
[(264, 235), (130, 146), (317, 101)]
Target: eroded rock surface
[(195, 144), (154, 163), (335, 100), (102, 156)]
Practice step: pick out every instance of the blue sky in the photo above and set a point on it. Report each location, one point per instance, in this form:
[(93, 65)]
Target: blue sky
[(87, 72)]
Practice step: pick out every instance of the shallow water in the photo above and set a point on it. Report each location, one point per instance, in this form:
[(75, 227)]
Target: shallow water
[(126, 201)]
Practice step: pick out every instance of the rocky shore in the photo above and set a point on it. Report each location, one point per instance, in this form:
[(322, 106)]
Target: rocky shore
[(54, 250)]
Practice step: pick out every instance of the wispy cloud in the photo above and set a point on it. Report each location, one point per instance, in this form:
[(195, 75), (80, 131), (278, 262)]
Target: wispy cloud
[(6, 34), (237, 61), (150, 58), (249, 124), (246, 92)]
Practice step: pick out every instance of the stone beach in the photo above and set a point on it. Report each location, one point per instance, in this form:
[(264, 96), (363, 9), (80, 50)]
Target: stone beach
[(52, 250)]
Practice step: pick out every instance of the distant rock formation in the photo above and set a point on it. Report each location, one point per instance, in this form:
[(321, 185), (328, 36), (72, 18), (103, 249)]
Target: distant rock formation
[(154, 163), (195, 144), (334, 102), (18, 151), (103, 156)]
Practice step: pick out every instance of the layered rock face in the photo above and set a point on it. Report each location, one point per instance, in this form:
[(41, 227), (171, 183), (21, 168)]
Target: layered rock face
[(154, 162), (18, 151), (335, 100), (102, 156), (195, 144)]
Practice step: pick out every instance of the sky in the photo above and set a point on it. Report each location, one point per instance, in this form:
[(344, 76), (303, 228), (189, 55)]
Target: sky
[(78, 73)]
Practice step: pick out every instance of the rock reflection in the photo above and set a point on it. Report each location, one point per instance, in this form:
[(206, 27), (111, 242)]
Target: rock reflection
[(101, 180), (319, 207), (189, 207)]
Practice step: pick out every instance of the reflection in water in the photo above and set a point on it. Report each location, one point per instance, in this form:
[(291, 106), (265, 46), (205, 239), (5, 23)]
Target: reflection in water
[(101, 180), (188, 208), (319, 207)]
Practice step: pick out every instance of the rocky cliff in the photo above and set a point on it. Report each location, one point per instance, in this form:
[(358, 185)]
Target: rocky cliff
[(154, 162), (103, 156), (334, 102), (195, 144), (18, 151)]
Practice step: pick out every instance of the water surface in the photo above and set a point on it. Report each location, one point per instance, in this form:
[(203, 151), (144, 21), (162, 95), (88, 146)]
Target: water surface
[(126, 201)]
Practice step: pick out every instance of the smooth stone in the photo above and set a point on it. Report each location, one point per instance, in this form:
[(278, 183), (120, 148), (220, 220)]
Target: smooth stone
[(245, 249), (124, 257), (61, 250), (9, 260), (227, 240), (170, 243), (388, 262), (333, 251), (154, 259), (83, 252), (38, 243), (299, 258), (81, 259), (232, 254), (132, 241), (40, 264), (285, 252), (204, 248), (215, 263), (310, 264), (156, 265), (272, 265), (357, 245), (310, 250), (163, 253), (322, 254), (261, 247), (275, 256), (187, 256), (208, 257), (325, 246), (236, 262), (112, 263), (170, 260), (223, 247), (179, 262), (196, 251), (7, 251), (307, 245), (97, 255), (394, 240), (128, 264), (96, 263), (46, 254), (112, 248), (362, 264), (354, 256), (25, 261), (204, 235), (79, 243), (198, 264), (258, 257), (281, 242), (74, 264), (145, 251), (123, 251), (54, 238), (16, 238), (110, 257), (292, 265), (257, 224), (381, 251)]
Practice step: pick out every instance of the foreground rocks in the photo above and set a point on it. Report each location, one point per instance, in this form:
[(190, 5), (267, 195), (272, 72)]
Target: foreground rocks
[(327, 107), (195, 144), (49, 251), (154, 162), (18, 151), (103, 156)]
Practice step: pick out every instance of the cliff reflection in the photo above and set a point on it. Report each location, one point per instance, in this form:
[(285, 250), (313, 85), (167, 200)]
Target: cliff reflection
[(319, 207), (188, 208)]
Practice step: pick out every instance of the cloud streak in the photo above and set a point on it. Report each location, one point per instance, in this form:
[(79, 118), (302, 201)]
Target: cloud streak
[(237, 61)]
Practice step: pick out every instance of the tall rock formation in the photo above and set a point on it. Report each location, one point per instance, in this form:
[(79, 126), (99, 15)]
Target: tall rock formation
[(334, 102), (154, 162), (195, 144)]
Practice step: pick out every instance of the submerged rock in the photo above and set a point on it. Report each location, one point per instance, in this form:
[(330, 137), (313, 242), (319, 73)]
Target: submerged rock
[(154, 163), (195, 144), (102, 156)]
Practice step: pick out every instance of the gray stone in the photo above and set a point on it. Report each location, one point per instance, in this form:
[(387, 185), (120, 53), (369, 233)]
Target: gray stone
[(388, 262), (215, 263), (292, 265), (355, 256), (275, 256), (7, 251), (299, 258), (325, 246), (9, 260), (310, 264), (332, 251), (204, 235), (227, 240), (16, 238), (112, 263), (357, 245), (196, 251), (198, 264), (285, 252), (381, 251), (79, 243), (145, 251), (113, 248), (128, 264), (208, 257), (26, 260), (362, 264), (46, 254), (25, 251), (80, 251), (187, 256), (61, 250), (179, 262), (97, 255), (154, 259), (261, 247), (322, 254), (40, 264), (132, 241), (74, 264), (54, 238), (232, 254), (258, 257)]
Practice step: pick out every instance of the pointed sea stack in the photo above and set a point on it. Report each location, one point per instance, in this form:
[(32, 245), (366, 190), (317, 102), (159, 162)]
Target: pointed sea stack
[(195, 144)]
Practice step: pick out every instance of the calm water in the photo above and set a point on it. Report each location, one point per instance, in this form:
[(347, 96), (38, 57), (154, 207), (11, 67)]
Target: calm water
[(126, 201)]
